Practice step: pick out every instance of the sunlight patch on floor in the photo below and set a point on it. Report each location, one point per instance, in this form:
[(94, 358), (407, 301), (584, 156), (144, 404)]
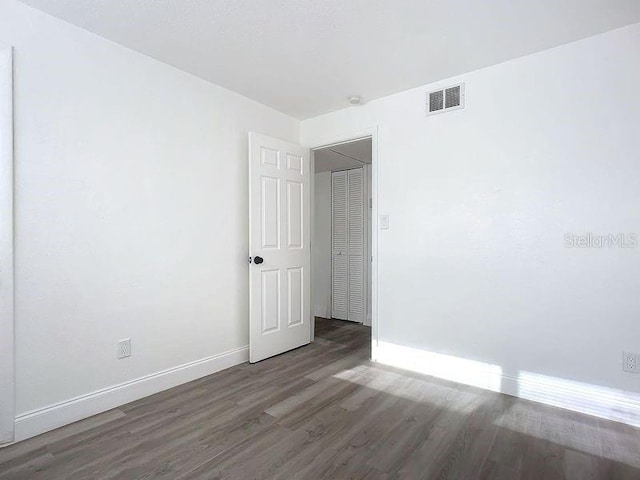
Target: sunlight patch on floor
[(455, 369), (408, 387)]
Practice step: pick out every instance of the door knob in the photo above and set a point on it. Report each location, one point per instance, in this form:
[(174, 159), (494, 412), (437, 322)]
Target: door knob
[(258, 260)]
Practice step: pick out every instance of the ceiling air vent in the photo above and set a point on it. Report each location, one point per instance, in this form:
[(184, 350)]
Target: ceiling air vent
[(450, 98)]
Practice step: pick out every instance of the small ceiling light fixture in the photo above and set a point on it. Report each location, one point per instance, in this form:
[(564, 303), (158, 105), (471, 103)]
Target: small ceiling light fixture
[(355, 100)]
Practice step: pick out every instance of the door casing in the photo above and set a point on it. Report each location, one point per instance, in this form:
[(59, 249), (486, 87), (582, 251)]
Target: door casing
[(7, 354), (347, 137)]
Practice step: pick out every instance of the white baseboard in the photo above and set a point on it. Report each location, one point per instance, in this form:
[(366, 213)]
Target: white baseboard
[(44, 419), (322, 311), (604, 402)]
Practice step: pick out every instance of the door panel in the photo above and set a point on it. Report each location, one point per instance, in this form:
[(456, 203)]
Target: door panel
[(270, 286), (340, 287), (279, 234), (294, 163), (270, 225), (348, 244), (356, 288), (295, 295), (356, 245), (340, 242), (295, 217)]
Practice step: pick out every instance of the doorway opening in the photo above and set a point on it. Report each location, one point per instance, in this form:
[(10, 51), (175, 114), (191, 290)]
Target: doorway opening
[(342, 242), (282, 241)]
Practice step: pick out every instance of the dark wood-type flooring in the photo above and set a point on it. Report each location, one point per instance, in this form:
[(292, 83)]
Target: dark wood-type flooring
[(325, 411)]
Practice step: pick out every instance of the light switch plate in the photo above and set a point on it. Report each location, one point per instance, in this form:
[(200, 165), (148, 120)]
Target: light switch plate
[(384, 222)]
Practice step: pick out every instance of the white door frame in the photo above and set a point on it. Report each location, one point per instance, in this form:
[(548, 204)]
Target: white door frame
[(330, 141), (7, 379)]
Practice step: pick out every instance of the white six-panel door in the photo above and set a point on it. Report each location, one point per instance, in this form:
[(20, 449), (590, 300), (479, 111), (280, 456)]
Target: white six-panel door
[(279, 235), (348, 245)]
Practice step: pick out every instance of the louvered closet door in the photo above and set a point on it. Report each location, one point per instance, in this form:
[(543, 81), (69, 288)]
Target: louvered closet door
[(348, 285), (340, 243), (355, 187)]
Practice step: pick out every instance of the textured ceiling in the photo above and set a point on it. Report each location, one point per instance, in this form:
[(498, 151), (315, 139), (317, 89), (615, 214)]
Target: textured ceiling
[(305, 57)]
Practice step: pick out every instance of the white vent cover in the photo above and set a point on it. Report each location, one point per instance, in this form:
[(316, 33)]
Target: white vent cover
[(445, 99)]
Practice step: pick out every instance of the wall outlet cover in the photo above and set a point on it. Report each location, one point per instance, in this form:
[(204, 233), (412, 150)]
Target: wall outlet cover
[(124, 348), (630, 362)]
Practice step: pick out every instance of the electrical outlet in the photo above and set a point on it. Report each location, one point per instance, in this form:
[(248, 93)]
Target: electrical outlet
[(124, 348), (630, 362)]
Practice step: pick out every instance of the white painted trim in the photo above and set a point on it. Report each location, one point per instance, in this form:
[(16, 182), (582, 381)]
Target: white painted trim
[(373, 133), (44, 419), (368, 240), (312, 207), (7, 378), (604, 402)]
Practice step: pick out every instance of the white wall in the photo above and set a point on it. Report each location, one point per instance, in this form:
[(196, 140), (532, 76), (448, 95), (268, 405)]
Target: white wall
[(131, 204), (131, 212), (474, 264), (321, 246)]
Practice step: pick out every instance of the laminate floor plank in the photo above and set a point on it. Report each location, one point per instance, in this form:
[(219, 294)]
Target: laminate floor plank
[(325, 411)]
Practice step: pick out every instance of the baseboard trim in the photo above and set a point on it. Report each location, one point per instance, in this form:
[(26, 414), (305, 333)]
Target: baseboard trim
[(48, 418), (604, 402), (322, 311)]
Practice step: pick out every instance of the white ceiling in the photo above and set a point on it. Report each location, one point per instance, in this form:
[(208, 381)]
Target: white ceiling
[(343, 156), (305, 57)]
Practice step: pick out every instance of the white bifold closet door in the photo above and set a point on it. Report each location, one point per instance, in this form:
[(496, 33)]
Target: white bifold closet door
[(348, 244)]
